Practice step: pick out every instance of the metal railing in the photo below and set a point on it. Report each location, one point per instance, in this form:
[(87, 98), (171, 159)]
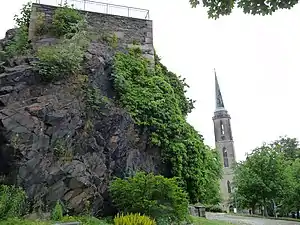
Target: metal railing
[(100, 7)]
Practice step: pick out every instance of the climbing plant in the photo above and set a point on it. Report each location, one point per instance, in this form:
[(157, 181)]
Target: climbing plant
[(155, 98)]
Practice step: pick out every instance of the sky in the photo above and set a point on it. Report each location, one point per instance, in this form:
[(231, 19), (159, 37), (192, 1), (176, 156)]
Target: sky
[(257, 60)]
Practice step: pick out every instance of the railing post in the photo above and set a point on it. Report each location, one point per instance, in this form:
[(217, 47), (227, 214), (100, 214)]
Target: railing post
[(128, 11), (106, 8), (84, 4)]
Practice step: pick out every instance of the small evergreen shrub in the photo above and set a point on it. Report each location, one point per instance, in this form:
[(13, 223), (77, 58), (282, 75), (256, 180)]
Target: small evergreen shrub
[(57, 213), (12, 201), (20, 45), (62, 60), (155, 196), (65, 20), (133, 219)]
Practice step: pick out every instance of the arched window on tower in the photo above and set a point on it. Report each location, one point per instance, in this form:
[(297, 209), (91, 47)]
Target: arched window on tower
[(222, 128), (225, 157), (228, 186)]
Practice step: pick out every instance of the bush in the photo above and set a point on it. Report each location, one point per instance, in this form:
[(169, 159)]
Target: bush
[(20, 44), (133, 219), (57, 213), (155, 196), (12, 201), (213, 208), (65, 20), (62, 60)]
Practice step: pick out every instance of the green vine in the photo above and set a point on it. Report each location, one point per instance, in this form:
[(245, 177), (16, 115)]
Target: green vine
[(156, 99)]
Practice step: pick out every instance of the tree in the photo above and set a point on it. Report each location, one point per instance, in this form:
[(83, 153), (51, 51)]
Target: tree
[(292, 188), (218, 8), (288, 146), (259, 179)]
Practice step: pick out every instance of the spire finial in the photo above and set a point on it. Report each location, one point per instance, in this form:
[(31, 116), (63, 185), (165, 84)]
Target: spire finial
[(219, 99)]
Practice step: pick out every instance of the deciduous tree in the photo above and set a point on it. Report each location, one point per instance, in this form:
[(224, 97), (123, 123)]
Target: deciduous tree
[(218, 8)]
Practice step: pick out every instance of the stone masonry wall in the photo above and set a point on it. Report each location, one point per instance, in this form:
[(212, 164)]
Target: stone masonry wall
[(128, 30)]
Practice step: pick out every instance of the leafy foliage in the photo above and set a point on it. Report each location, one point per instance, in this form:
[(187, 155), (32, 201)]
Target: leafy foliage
[(20, 44), (155, 99), (269, 175), (57, 213), (218, 8), (12, 201), (213, 208), (64, 59), (155, 196), (133, 219), (65, 19)]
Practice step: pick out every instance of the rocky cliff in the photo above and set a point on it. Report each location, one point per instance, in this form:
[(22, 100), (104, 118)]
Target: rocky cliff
[(44, 144)]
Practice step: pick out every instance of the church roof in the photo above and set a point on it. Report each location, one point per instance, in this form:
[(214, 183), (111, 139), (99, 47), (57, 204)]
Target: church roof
[(219, 99)]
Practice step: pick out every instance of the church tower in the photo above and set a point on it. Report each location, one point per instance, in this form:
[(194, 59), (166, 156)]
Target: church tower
[(225, 146)]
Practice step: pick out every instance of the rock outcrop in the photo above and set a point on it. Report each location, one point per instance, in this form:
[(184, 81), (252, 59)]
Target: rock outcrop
[(44, 146)]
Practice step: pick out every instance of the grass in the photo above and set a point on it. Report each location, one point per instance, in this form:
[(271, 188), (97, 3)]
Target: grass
[(203, 221), (269, 217)]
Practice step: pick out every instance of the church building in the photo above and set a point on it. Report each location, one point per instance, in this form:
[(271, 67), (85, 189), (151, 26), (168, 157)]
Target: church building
[(225, 146)]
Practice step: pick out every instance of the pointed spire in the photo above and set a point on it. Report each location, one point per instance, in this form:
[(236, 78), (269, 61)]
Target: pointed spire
[(219, 99)]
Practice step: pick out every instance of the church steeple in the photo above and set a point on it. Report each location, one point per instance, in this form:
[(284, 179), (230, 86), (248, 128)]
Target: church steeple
[(225, 146), (219, 99)]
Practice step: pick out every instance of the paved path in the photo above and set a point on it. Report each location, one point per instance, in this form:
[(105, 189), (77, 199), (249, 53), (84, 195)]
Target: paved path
[(243, 220)]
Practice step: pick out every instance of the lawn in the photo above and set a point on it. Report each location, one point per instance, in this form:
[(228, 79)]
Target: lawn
[(203, 221)]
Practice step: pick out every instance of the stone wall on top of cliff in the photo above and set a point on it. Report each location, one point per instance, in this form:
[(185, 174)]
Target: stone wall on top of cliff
[(39, 121), (128, 30)]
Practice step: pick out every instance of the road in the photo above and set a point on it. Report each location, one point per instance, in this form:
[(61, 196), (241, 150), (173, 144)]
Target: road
[(243, 220)]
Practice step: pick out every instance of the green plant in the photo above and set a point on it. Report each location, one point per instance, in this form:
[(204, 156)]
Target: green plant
[(40, 25), (12, 201), (62, 60), (111, 39), (156, 99), (133, 219), (155, 196), (20, 44), (57, 213), (213, 208), (65, 19), (62, 149)]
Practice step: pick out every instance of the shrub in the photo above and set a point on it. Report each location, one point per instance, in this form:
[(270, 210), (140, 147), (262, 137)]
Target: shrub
[(133, 219), (20, 44), (156, 99), (151, 195), (57, 213), (213, 208), (12, 201), (65, 20), (62, 60)]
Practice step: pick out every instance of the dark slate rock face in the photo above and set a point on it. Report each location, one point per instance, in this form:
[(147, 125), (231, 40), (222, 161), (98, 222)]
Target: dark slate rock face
[(38, 120)]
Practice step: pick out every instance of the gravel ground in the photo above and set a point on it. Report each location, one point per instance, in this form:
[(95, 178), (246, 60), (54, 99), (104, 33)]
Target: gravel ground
[(243, 220)]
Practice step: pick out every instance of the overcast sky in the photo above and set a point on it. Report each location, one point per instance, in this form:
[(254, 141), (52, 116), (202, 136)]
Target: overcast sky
[(257, 60)]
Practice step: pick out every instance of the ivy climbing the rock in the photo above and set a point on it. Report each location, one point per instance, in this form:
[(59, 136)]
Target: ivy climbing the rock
[(156, 99)]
